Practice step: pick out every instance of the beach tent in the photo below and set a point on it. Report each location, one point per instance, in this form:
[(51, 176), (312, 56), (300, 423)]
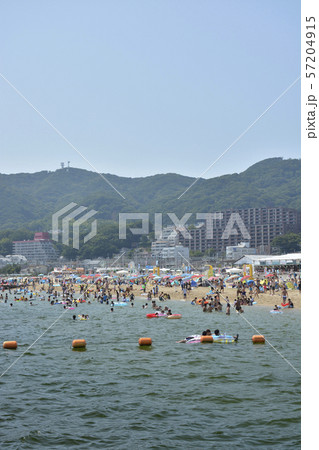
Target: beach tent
[(234, 270)]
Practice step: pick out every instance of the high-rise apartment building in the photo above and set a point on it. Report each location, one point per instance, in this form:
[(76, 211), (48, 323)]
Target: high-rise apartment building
[(258, 226), (39, 251)]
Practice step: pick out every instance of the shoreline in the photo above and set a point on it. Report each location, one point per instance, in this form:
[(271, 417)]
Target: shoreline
[(176, 293)]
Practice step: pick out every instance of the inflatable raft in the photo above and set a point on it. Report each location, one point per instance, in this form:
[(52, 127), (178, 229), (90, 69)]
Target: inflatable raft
[(175, 316), (193, 339), (222, 339), (154, 315)]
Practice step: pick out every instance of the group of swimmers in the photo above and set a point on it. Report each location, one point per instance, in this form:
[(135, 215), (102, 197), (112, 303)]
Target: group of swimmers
[(289, 305), (207, 332), (81, 316)]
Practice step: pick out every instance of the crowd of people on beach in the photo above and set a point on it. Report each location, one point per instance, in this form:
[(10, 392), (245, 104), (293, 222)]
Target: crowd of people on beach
[(104, 290)]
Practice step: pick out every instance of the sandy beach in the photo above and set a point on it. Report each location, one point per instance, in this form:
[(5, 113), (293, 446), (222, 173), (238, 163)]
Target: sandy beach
[(263, 299), (175, 292)]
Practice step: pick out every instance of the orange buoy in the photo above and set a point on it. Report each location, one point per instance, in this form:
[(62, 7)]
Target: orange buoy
[(79, 343), (258, 339), (205, 339), (145, 341), (10, 344)]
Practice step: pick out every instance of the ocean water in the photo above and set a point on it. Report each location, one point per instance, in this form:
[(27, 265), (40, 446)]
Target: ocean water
[(170, 396)]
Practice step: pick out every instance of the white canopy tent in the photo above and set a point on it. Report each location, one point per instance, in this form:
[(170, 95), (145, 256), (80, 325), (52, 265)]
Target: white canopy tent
[(270, 260)]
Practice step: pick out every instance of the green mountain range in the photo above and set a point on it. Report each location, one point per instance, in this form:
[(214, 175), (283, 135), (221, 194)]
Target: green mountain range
[(28, 200)]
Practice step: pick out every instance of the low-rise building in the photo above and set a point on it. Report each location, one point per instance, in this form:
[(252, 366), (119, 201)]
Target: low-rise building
[(13, 259), (234, 252), (168, 238), (174, 256)]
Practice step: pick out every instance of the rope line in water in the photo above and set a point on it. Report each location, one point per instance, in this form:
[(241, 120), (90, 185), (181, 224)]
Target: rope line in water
[(270, 344), (16, 360), (285, 359), (250, 324)]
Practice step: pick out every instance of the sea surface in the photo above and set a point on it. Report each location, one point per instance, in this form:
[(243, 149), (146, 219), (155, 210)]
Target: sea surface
[(170, 396)]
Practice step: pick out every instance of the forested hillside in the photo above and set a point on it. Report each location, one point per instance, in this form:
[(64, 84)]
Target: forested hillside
[(29, 200)]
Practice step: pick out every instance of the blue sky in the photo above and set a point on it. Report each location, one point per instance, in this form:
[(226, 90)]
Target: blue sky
[(145, 87)]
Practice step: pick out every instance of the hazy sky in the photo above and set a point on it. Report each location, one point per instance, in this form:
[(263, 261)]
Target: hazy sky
[(142, 87)]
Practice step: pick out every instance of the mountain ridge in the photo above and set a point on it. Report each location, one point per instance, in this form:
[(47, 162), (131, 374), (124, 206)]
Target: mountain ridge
[(29, 199)]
